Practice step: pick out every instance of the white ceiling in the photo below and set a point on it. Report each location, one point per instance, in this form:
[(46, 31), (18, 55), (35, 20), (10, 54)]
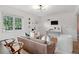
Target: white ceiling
[(52, 9)]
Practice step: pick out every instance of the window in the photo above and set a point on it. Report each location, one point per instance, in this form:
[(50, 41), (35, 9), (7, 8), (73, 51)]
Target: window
[(8, 22), (18, 23), (11, 23)]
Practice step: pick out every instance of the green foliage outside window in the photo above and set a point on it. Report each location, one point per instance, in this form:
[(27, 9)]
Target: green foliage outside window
[(18, 23), (8, 22)]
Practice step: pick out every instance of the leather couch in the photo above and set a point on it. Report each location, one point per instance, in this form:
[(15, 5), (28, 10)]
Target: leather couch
[(36, 46)]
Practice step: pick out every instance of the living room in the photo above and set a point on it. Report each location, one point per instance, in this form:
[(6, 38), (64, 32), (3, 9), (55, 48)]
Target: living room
[(52, 21)]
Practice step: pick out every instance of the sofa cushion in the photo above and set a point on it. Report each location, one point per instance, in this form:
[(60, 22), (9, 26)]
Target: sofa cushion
[(38, 40)]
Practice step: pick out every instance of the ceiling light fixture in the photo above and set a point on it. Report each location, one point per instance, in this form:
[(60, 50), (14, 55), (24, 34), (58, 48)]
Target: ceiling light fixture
[(40, 7)]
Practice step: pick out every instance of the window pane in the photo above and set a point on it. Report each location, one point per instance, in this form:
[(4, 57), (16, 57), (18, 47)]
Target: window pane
[(18, 23), (8, 22)]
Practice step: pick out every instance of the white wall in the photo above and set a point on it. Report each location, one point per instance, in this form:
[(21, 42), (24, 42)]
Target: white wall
[(68, 22), (5, 10)]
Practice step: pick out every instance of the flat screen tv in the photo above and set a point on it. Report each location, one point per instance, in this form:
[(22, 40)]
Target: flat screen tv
[(54, 22)]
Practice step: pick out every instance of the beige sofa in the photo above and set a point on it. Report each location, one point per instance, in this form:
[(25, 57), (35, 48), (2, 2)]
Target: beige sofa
[(36, 46)]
